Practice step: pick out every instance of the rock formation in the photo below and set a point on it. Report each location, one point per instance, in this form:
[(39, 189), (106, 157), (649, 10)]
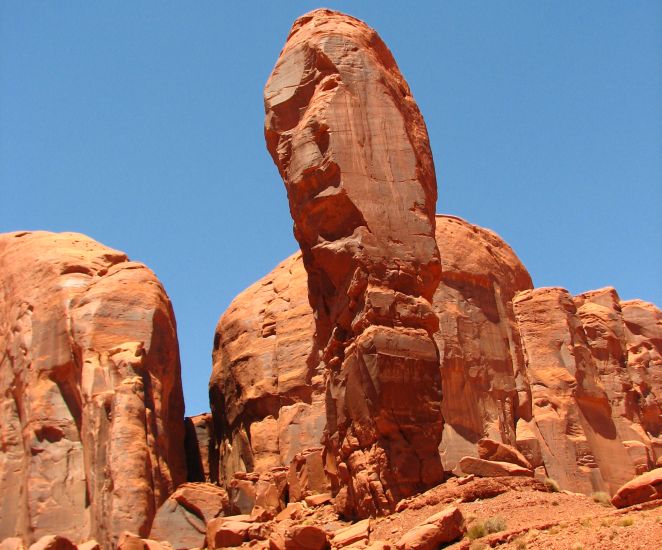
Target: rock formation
[(352, 149), (482, 367), (585, 418), (576, 422), (91, 417), (266, 388)]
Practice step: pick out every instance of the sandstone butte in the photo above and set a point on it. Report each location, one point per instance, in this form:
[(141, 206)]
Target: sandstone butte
[(326, 388), (91, 423)]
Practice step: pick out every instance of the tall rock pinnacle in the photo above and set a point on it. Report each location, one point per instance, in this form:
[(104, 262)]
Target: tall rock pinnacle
[(353, 151)]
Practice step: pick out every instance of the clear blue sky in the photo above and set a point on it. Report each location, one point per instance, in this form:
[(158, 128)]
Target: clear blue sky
[(140, 124)]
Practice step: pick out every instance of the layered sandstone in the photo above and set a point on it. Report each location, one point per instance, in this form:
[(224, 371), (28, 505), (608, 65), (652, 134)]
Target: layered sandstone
[(592, 363), (91, 418), (482, 367), (267, 388), (352, 149), (589, 397)]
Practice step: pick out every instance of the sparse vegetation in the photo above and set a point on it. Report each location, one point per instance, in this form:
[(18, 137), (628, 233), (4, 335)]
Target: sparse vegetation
[(552, 485), (577, 546), (626, 521), (490, 525), (602, 498)]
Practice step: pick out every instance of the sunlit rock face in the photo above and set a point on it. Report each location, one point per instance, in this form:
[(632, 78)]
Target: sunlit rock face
[(352, 149), (91, 407), (482, 366), (593, 367)]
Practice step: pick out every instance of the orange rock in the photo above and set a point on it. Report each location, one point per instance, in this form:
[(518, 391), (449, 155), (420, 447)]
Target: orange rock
[(482, 366), (201, 451), (224, 532), (306, 474), (441, 528), (352, 148), (305, 537), (360, 531), (182, 519), (488, 449), (265, 376), (492, 468), (93, 420), (642, 488)]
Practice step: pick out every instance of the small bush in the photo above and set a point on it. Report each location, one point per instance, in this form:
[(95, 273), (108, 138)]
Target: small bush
[(602, 498), (577, 546), (552, 485), (490, 525), (495, 524), (476, 531), (626, 521)]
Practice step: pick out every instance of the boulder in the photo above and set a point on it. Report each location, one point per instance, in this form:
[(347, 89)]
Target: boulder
[(305, 537), (357, 532), (226, 532), (306, 475), (492, 468), (488, 449), (92, 410), (439, 529), (352, 148), (182, 519), (642, 488)]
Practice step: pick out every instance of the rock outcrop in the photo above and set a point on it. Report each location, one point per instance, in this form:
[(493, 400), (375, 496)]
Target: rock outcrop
[(352, 149), (575, 362), (91, 410), (267, 387), (492, 363), (482, 367)]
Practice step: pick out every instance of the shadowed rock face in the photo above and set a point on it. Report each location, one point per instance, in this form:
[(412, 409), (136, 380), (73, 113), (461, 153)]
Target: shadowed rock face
[(352, 149), (91, 415)]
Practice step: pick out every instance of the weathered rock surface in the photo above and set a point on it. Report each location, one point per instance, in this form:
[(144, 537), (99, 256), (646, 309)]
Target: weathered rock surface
[(492, 468), (201, 450), (587, 398), (439, 529), (352, 149), (91, 415), (182, 519), (490, 384), (266, 388), (642, 488), (488, 449), (482, 367)]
